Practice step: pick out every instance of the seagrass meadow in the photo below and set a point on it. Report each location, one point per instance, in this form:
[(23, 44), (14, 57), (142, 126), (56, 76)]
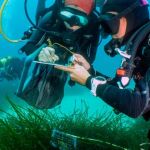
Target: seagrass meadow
[(31, 129)]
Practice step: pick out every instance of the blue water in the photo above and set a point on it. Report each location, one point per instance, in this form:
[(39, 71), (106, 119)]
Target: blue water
[(14, 24)]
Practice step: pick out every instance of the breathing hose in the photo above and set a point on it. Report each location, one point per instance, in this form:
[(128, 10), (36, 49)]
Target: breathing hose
[(1, 25)]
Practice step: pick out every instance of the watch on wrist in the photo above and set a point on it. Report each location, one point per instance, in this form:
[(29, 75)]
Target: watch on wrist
[(95, 82)]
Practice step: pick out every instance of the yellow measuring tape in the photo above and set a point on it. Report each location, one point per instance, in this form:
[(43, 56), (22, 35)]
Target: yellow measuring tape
[(1, 24)]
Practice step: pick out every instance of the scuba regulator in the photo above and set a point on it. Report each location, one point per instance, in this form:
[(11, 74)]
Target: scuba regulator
[(125, 72), (110, 47)]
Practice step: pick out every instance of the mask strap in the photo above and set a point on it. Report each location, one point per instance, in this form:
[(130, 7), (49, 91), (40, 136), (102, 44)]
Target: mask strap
[(132, 7)]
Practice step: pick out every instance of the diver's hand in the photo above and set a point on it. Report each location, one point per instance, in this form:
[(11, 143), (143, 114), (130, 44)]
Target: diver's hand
[(47, 54), (82, 61), (77, 73)]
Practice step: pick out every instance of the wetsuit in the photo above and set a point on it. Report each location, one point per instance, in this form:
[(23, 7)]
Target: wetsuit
[(135, 102)]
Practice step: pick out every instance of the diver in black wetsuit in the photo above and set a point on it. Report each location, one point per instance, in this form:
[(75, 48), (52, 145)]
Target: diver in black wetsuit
[(10, 68), (72, 24), (129, 25)]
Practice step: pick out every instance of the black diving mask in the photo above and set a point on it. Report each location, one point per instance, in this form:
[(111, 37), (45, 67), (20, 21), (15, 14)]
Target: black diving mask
[(74, 17), (110, 22)]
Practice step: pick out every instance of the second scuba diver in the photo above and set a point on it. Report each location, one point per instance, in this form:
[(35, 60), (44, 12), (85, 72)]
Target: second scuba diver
[(127, 21)]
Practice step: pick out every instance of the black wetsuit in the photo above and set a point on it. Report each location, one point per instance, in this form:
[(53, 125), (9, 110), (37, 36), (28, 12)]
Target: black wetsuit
[(45, 89), (133, 103)]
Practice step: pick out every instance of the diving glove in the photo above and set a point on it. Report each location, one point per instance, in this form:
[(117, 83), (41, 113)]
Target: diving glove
[(47, 54)]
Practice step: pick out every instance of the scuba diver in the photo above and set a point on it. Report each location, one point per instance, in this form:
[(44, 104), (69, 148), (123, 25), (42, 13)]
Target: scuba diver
[(71, 23), (64, 28), (10, 68), (128, 23)]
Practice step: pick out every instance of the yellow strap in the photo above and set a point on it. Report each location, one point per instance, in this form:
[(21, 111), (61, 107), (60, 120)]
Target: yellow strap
[(64, 48), (1, 26)]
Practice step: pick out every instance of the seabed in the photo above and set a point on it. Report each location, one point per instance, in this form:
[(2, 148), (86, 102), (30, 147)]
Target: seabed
[(32, 129)]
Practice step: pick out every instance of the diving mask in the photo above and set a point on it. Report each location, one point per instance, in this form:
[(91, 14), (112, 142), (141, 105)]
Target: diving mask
[(110, 22), (74, 17)]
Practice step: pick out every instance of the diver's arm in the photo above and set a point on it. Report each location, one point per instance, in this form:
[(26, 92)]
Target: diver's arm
[(38, 36), (95, 73), (33, 43), (131, 103)]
